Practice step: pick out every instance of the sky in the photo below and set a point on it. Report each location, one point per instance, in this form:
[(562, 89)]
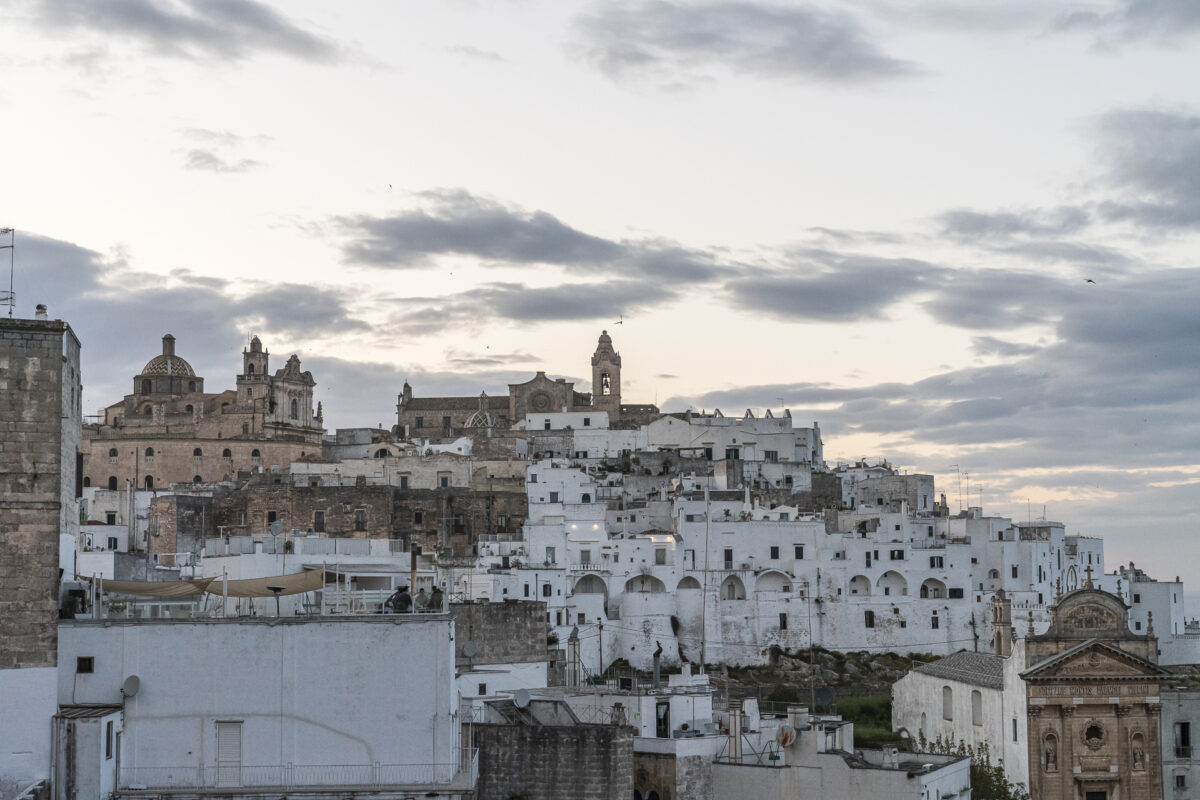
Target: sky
[(961, 236)]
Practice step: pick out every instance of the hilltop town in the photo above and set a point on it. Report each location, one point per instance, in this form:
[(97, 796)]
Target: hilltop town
[(502, 596)]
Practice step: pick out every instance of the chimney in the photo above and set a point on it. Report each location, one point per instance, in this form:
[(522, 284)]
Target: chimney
[(168, 345), (573, 658), (735, 732), (40, 312), (618, 714)]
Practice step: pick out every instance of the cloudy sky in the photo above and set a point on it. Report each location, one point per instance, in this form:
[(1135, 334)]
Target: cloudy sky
[(954, 233)]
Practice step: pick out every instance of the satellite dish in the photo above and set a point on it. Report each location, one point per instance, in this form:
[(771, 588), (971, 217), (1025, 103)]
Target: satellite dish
[(785, 735), (131, 685), (470, 649), (824, 697), (521, 698)]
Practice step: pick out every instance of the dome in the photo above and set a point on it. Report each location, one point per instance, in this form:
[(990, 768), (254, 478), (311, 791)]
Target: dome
[(168, 363)]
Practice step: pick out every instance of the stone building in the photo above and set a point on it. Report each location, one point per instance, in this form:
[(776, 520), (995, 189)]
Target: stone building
[(1094, 703), (444, 417), (40, 414), (170, 430)]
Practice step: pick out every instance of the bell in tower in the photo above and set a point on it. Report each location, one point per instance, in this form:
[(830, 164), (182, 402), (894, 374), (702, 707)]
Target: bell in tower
[(606, 377)]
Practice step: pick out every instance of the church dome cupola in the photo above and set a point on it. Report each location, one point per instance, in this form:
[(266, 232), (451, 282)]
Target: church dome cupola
[(168, 363)]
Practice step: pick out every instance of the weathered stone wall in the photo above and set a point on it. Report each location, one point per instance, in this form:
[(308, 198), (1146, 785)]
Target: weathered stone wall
[(512, 632), (180, 523), (39, 423), (583, 762)]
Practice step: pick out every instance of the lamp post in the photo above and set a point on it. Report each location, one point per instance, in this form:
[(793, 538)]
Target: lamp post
[(601, 623)]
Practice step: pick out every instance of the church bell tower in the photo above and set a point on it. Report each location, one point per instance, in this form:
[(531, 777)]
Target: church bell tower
[(606, 378)]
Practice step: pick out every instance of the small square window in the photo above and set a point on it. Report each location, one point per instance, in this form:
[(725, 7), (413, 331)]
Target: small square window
[(800, 552), (774, 552), (482, 689), (85, 665)]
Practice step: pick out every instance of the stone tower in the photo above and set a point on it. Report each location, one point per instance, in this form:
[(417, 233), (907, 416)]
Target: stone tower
[(254, 382), (606, 378), (1002, 630), (40, 483)]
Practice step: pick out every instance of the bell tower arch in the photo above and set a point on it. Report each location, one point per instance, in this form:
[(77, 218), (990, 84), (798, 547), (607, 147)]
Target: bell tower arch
[(606, 377)]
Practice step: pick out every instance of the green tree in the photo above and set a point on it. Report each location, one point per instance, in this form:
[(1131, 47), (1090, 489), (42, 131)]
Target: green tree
[(988, 781)]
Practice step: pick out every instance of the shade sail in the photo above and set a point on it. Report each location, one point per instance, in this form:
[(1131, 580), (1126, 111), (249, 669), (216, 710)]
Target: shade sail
[(153, 588), (297, 583)]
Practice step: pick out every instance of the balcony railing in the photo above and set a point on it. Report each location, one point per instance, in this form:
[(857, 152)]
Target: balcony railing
[(1183, 752), (290, 776)]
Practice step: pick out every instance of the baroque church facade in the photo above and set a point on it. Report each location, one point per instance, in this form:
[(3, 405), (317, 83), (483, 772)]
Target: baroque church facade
[(1094, 703), (433, 417), (170, 430)]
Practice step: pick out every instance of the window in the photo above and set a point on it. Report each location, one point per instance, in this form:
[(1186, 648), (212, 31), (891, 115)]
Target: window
[(502, 521), (1183, 740), (934, 623), (112, 482), (771, 456), (382, 453), (799, 552), (1137, 598), (546, 425), (272, 516), (728, 558), (482, 689), (295, 410), (85, 665), (1014, 729), (660, 555), (605, 384), (533, 477), (360, 519), (558, 618), (1014, 570), (417, 517), (86, 481), (197, 479), (444, 481), (546, 590), (954, 594), (255, 454), (460, 523), (897, 555), (1137, 626), (245, 429), (319, 521), (149, 482), (587, 422), (774, 552), (976, 707), (581, 619), (149, 452), (527, 590), (227, 454), (110, 518), (112, 452), (112, 543), (869, 619), (935, 562), (585, 557), (947, 703), (403, 481), (197, 452), (446, 423), (420, 422), (550, 559), (587, 498), (732, 452), (1180, 781), (783, 622)]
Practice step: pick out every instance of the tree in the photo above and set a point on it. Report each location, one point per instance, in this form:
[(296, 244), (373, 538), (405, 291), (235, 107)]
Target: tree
[(988, 781)]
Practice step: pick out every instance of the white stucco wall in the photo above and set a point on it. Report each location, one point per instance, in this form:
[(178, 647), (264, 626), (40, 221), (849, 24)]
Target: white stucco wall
[(29, 699)]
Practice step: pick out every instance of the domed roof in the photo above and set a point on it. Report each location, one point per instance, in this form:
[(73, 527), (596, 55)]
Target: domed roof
[(168, 363)]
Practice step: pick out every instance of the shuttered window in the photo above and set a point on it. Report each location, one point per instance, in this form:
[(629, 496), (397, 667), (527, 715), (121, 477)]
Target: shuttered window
[(229, 753)]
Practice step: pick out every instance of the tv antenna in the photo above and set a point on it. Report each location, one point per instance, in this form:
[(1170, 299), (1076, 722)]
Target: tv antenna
[(11, 247)]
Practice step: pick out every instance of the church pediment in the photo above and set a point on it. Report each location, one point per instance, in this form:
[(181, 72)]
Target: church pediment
[(1094, 660)]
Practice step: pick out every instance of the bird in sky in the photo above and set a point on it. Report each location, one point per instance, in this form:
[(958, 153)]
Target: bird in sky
[(620, 321), (1089, 280)]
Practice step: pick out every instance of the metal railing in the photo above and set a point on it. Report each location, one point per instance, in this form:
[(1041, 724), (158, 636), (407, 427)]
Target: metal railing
[(463, 771), (1183, 751)]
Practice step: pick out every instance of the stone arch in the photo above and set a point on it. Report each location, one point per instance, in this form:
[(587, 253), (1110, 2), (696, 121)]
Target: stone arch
[(197, 479), (645, 584), (295, 410), (254, 453), (892, 583), (590, 584), (226, 454), (773, 581), (149, 452), (732, 588), (994, 574), (250, 369), (147, 409), (382, 453), (688, 582), (112, 452), (189, 408), (860, 585), (197, 452), (933, 588)]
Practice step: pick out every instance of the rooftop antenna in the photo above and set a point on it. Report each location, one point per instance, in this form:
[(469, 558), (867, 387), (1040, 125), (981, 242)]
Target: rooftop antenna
[(11, 247), (960, 477)]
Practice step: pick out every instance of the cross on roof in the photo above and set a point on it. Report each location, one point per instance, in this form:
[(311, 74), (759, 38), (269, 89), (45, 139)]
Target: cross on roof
[(1089, 576)]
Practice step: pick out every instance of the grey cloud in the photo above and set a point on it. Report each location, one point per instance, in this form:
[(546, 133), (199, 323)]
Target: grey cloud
[(211, 162), (477, 53), (1133, 20), (1154, 157), (1002, 299), (838, 287), (514, 302), (991, 346), (461, 360), (682, 42), (456, 222), (193, 29), (967, 224)]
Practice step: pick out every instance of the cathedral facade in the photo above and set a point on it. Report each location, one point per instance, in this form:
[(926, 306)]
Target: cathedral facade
[(1094, 703), (434, 417), (170, 430)]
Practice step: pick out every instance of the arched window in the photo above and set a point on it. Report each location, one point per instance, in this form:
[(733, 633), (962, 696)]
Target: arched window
[(112, 452), (149, 482), (295, 410), (255, 454), (605, 384), (197, 452), (112, 482), (381, 453), (947, 703), (148, 410), (191, 386), (587, 498), (226, 454), (976, 707), (87, 481), (196, 479), (189, 408), (250, 370), (149, 452), (146, 386)]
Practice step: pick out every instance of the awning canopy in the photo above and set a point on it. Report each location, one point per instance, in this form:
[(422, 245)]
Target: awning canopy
[(297, 583)]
